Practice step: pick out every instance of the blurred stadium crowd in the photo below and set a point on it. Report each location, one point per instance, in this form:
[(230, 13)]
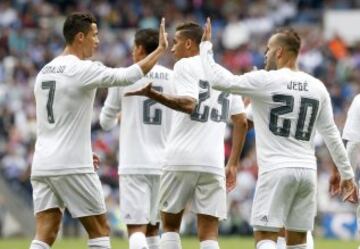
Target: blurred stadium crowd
[(31, 35)]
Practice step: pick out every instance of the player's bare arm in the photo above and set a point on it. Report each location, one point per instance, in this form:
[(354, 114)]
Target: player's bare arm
[(178, 103), (240, 127), (149, 61)]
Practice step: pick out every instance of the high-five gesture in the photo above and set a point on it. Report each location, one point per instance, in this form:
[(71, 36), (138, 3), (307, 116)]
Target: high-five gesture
[(149, 61), (163, 41), (207, 31)]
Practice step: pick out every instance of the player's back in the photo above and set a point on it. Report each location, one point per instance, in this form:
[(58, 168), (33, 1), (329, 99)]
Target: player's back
[(287, 110), (63, 112), (145, 124), (196, 141)]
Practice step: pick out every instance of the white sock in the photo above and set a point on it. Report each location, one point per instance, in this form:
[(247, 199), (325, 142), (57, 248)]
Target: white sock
[(309, 240), (281, 243), (299, 246), (170, 240), (209, 244), (37, 244), (99, 243), (153, 242), (138, 241), (266, 244)]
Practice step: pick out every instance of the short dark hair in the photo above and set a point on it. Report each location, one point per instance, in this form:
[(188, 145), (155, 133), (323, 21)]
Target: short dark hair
[(290, 39), (75, 23), (191, 30), (148, 39)]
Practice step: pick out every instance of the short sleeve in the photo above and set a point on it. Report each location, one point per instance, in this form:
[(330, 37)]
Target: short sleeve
[(249, 113), (237, 105), (186, 83)]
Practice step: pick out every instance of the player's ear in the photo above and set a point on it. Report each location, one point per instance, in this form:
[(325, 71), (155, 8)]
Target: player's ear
[(80, 37), (188, 43), (279, 52), (141, 50)]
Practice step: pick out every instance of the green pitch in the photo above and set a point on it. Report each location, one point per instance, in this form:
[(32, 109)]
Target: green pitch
[(188, 243)]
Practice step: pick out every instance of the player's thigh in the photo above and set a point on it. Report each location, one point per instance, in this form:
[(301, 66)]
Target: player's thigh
[(135, 198), (81, 193), (302, 213), (210, 196), (275, 191), (176, 190), (44, 195)]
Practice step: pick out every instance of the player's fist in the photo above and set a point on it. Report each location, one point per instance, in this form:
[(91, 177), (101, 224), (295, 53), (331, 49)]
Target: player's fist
[(96, 161), (349, 190)]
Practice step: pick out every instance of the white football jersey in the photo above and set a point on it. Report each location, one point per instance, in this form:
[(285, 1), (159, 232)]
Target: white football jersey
[(144, 126), (196, 141), (64, 93), (287, 107), (351, 130)]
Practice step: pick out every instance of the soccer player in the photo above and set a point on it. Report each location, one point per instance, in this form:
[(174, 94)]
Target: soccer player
[(62, 170), (287, 105), (281, 239), (144, 128), (194, 167), (352, 135)]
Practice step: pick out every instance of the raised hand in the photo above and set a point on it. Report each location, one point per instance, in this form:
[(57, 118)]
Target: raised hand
[(163, 36), (207, 31), (141, 92)]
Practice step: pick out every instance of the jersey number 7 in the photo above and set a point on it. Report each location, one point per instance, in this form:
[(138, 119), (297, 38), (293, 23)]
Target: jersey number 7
[(51, 85)]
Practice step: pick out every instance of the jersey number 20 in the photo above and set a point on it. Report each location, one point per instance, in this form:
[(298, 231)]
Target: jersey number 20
[(308, 112)]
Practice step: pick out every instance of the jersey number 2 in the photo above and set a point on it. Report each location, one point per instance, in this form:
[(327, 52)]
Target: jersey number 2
[(51, 86), (308, 111), (156, 118)]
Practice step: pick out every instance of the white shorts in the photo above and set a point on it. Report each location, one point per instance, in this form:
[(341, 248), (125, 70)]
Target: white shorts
[(205, 191), (139, 199), (285, 198), (81, 194)]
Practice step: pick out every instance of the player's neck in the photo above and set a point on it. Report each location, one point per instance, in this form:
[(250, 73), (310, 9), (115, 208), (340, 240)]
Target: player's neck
[(72, 50), (290, 63)]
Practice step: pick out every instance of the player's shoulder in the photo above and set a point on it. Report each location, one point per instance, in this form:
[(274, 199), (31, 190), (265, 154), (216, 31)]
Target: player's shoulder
[(315, 82), (189, 63), (162, 68)]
